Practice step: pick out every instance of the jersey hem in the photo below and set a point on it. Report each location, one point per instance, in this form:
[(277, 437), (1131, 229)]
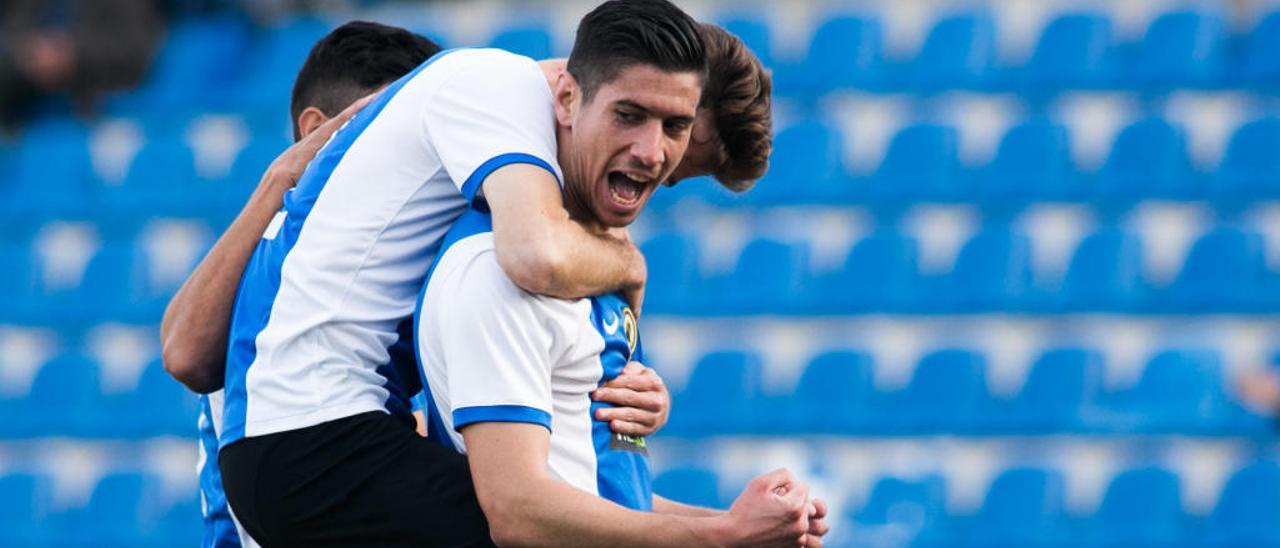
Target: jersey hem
[(500, 413)]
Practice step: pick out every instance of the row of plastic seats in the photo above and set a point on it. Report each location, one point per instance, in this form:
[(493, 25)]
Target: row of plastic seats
[(1026, 507), (125, 509), (66, 399), (1033, 162), (1076, 50), (1225, 270), (1179, 391)]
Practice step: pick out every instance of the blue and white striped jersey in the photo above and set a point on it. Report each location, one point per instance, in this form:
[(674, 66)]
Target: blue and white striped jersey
[(330, 289), (490, 351), (221, 530)]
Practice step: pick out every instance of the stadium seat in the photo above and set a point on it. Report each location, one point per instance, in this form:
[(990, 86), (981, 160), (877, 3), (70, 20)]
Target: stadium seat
[(690, 485), (771, 277), (922, 163), (1074, 52), (992, 272), (1059, 394), (531, 41), (1148, 160), (161, 181), (673, 284), (1142, 507), (1250, 169), (807, 166), (900, 511), (1183, 48), (1225, 271), (880, 274), (175, 526), (722, 396), (845, 52), (52, 173), (229, 195), (1180, 391), (17, 282), (110, 288), (1262, 54), (199, 59), (754, 32), (26, 504), (1105, 274), (278, 53), (959, 52), (119, 513), (155, 390), (1023, 507), (947, 393), (64, 400), (1033, 162), (1248, 508), (836, 395)]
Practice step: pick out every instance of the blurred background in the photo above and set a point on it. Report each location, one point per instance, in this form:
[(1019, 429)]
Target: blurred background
[(1013, 278)]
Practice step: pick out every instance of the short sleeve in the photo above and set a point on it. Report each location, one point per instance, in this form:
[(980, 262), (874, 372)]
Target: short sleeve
[(493, 111), (495, 343)]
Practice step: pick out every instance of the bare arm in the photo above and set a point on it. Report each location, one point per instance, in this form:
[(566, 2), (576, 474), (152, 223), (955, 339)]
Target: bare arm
[(667, 506), (546, 252), (526, 506), (193, 331)]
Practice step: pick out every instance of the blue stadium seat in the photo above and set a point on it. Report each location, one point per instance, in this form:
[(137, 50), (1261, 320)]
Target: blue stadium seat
[(807, 166), (770, 277), (278, 53), (1074, 52), (161, 182), (65, 400), (230, 194), (754, 32), (1105, 274), (1033, 162), (836, 395), (1225, 270), (958, 53), (1148, 160), (722, 396), (1061, 389), (1248, 509), (922, 163), (673, 286), (690, 485), (947, 393), (110, 288), (532, 41), (992, 272), (173, 409), (26, 504), (17, 282), (1180, 391), (199, 59), (119, 513), (1250, 170), (901, 511), (880, 274), (1023, 507), (845, 52), (1183, 48), (1142, 507), (1262, 54), (175, 525), (52, 173)]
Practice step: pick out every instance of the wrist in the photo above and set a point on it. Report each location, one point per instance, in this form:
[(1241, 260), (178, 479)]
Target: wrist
[(715, 531)]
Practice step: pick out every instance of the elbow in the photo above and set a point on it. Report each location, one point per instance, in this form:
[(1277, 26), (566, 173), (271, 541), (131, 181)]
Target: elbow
[(185, 367), (508, 523), (537, 267)]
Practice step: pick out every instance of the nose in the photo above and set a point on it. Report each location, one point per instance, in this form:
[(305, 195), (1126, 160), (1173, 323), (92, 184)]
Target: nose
[(647, 148)]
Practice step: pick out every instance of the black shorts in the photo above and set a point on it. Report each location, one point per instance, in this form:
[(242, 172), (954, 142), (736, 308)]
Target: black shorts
[(365, 480)]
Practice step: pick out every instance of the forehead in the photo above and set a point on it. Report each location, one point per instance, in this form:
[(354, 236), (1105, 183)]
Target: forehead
[(661, 92)]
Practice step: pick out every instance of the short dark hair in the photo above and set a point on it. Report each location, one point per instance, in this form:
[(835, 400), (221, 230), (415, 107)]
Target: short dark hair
[(621, 33), (738, 94), (352, 61)]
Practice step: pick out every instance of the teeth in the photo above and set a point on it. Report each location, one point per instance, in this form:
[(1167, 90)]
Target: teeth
[(635, 180)]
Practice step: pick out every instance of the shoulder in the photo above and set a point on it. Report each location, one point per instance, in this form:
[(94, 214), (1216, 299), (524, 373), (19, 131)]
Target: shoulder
[(469, 277)]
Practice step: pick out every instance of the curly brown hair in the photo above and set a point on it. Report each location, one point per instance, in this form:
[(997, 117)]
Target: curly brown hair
[(738, 93)]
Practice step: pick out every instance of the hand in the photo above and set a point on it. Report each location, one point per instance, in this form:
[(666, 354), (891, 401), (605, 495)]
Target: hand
[(817, 524), (287, 168), (642, 399), (772, 511)]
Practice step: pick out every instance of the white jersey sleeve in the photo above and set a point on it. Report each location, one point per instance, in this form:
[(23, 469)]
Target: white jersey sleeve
[(493, 112), (496, 343)]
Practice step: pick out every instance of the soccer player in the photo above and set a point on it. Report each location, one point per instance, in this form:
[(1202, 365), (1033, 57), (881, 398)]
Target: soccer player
[(509, 373)]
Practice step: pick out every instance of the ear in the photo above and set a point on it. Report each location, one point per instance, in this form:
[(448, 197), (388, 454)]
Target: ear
[(567, 94), (310, 119)]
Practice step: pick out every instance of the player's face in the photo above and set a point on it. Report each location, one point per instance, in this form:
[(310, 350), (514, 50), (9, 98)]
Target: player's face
[(630, 137), (705, 151)]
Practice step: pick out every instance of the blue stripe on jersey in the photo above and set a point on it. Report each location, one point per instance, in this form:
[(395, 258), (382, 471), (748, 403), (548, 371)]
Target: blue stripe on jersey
[(478, 176), (621, 476), (500, 413), (261, 279), (219, 529)]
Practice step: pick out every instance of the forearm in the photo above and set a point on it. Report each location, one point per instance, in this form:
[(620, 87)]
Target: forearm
[(667, 506), (193, 331)]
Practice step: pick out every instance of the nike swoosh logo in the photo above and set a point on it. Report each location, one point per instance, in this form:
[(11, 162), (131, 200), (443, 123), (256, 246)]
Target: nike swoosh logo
[(611, 327)]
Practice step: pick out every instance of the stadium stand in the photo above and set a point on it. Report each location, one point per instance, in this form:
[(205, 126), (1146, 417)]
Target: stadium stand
[(941, 384)]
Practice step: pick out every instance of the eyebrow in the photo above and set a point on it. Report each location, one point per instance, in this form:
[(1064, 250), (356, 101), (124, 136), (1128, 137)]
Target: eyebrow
[(632, 104)]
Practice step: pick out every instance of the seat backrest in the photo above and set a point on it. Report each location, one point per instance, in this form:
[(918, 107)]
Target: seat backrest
[(1073, 50)]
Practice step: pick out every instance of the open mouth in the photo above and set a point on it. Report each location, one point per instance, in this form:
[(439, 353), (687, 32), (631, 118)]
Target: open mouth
[(624, 190)]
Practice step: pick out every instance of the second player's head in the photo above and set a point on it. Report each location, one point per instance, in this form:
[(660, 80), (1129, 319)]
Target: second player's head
[(350, 62), (626, 104)]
